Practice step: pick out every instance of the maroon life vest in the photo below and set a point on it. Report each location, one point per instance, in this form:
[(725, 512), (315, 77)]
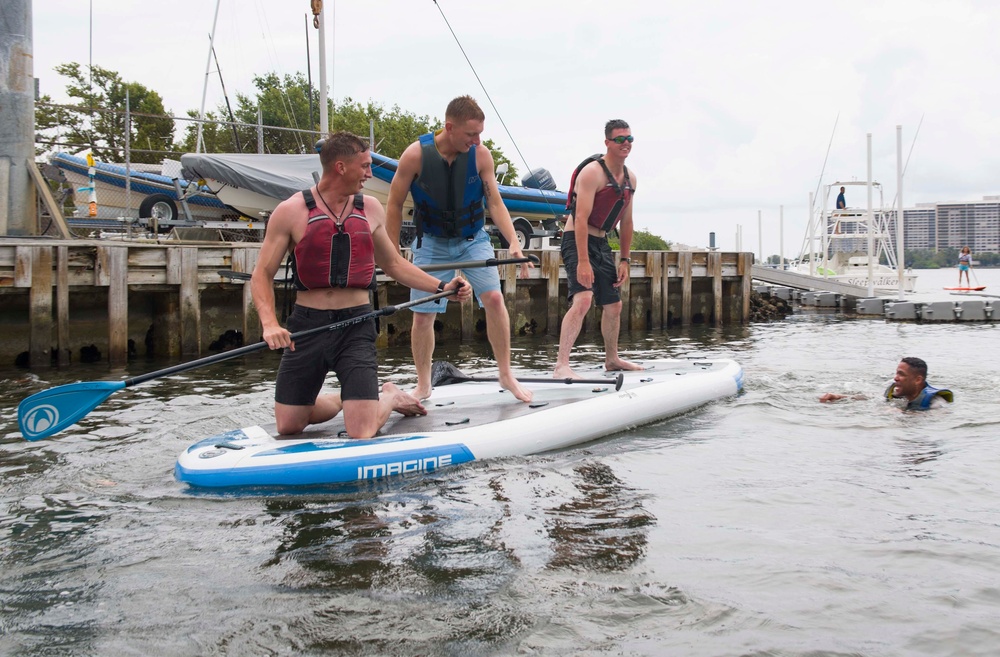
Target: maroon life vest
[(334, 255), (609, 201)]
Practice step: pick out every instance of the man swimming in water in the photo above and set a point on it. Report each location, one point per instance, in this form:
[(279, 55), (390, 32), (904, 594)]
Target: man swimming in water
[(909, 384)]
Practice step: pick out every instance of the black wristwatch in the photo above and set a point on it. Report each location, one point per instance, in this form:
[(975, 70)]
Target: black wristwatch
[(440, 287), (626, 260)]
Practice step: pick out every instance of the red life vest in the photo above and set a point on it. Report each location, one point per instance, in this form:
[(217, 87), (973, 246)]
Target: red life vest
[(609, 201), (334, 255)]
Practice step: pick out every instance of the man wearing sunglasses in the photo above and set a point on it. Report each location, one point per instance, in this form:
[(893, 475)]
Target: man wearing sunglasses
[(600, 198)]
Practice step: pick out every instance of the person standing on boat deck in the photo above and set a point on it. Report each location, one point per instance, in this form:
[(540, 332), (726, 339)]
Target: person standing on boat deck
[(449, 175), (841, 205), (964, 265), (330, 288), (909, 384), (600, 199)]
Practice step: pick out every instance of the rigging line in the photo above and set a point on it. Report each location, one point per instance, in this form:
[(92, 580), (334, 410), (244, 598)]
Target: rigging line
[(286, 103), (236, 134), (907, 163), (474, 72)]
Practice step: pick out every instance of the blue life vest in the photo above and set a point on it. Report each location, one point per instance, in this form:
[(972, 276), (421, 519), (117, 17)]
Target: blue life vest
[(447, 198), (924, 399)]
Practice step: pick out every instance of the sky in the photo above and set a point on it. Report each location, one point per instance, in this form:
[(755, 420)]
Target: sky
[(733, 104)]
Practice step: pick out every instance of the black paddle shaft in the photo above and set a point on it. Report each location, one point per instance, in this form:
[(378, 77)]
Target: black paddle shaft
[(257, 346)]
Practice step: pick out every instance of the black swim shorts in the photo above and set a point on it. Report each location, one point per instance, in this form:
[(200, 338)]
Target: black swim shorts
[(602, 261), (349, 351)]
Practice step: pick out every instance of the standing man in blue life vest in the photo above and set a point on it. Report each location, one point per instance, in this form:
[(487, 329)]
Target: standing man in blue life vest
[(600, 199), (335, 235), (449, 175)]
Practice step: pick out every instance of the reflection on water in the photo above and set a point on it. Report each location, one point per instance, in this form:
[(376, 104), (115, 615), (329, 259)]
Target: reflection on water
[(762, 524), (603, 528)]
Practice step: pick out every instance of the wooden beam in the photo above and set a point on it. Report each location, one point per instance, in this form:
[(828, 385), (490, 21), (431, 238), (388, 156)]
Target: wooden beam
[(684, 265), (550, 272), (654, 270), (62, 305), (50, 202), (744, 266), (117, 305), (40, 300), (714, 267), (190, 304)]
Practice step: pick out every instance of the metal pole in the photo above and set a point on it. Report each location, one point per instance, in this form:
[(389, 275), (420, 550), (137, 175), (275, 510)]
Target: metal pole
[(208, 67), (309, 76), (812, 236), (260, 130), (899, 210), (760, 236), (871, 228), (781, 235), (128, 157), (17, 119), (324, 115), (821, 223)]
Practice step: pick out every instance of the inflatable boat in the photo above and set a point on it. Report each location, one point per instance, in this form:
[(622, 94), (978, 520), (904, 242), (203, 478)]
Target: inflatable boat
[(467, 421)]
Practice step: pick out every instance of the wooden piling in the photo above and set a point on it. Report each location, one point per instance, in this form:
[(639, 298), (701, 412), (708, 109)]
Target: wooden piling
[(62, 305), (117, 268), (165, 281), (40, 302), (714, 267)]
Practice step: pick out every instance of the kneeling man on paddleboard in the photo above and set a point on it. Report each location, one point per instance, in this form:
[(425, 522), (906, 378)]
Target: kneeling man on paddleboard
[(335, 236)]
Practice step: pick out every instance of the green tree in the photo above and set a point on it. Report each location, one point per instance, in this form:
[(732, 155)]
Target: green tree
[(104, 131), (642, 240), (509, 178)]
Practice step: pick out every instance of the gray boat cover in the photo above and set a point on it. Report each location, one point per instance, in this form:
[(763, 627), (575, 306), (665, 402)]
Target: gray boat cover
[(276, 176)]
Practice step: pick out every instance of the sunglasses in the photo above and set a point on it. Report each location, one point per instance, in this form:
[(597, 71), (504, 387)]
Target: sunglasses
[(621, 139)]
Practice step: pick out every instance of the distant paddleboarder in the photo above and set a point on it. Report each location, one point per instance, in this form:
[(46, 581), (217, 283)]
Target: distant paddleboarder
[(964, 265)]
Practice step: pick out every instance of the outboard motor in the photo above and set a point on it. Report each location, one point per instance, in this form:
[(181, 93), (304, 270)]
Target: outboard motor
[(539, 179)]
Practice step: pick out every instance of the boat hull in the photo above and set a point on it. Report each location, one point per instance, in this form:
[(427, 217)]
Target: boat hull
[(253, 184), (110, 184), (465, 422)]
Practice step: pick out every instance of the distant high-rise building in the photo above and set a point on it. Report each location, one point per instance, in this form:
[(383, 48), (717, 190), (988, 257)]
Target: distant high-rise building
[(975, 224)]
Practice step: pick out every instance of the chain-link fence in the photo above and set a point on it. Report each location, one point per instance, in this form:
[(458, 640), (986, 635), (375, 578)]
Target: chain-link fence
[(119, 173)]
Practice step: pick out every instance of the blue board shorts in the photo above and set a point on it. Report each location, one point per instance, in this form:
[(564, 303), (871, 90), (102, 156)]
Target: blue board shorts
[(435, 250), (963, 268)]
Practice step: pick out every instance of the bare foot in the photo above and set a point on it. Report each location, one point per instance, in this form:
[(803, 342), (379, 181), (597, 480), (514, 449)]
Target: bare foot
[(565, 372), (422, 392), (620, 365), (403, 402), (508, 382)]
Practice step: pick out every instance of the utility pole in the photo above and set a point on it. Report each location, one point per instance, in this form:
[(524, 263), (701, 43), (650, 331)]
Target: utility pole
[(17, 120)]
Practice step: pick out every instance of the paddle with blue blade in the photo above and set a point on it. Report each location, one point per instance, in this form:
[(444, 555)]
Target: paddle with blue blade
[(444, 373), (50, 411)]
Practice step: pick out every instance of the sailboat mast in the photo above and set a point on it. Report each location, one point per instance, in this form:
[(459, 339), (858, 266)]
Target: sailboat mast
[(899, 208), (324, 118), (871, 229), (204, 90)]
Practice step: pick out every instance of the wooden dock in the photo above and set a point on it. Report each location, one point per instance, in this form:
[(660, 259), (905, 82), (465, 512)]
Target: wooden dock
[(62, 295)]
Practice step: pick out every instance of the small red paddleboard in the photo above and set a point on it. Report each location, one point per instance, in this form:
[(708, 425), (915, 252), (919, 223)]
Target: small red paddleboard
[(968, 289)]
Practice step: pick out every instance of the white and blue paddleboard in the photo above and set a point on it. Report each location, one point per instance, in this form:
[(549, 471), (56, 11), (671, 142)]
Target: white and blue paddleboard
[(465, 422)]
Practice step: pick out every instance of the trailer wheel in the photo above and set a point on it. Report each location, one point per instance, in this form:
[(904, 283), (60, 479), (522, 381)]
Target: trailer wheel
[(523, 232), (158, 206)]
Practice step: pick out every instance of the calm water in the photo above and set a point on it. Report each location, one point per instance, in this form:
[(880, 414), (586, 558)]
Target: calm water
[(767, 524)]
